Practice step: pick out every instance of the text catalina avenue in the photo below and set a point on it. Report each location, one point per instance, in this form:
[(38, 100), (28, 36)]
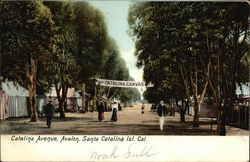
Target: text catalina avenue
[(31, 139)]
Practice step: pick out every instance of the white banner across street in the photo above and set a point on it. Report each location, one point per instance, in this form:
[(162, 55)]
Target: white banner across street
[(119, 83)]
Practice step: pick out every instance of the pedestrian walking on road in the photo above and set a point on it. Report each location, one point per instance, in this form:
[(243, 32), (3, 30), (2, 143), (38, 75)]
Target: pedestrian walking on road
[(162, 111), (49, 111), (100, 109), (142, 108), (114, 111)]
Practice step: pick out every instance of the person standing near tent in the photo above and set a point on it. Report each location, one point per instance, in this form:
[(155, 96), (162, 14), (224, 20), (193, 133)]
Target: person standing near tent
[(100, 110), (49, 111), (114, 111), (142, 108), (161, 110)]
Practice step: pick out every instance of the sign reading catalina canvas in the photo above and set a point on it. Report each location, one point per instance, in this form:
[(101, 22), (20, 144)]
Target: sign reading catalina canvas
[(119, 83)]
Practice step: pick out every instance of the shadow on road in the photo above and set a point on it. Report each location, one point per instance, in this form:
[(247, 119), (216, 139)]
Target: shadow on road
[(104, 128)]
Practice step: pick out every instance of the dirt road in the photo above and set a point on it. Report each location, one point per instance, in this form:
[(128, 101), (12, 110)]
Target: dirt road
[(130, 122)]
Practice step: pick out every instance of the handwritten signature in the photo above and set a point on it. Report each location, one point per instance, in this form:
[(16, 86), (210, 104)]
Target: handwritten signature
[(146, 151)]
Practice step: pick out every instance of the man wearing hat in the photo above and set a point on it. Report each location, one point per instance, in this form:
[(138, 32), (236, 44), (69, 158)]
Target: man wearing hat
[(162, 111), (49, 111)]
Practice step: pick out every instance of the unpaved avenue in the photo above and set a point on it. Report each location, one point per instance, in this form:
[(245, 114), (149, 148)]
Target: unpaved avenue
[(130, 122)]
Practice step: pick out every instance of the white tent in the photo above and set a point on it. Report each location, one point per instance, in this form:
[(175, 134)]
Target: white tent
[(16, 100), (71, 93), (74, 99), (243, 89), (14, 90)]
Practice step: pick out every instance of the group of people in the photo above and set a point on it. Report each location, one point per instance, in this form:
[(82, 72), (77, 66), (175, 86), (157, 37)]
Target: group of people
[(101, 109), (50, 109), (161, 110)]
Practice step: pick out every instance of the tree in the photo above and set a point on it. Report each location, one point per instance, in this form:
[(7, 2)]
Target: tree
[(228, 53), (26, 39), (91, 39), (81, 40), (162, 50), (64, 69), (113, 68), (192, 43)]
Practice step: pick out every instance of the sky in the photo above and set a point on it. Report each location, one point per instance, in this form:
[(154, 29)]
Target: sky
[(115, 13)]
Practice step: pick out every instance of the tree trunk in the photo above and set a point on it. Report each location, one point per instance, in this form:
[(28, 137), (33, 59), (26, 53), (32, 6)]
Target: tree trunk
[(61, 110), (182, 116), (171, 107), (65, 105), (221, 111), (196, 114), (61, 99), (221, 126), (235, 67), (196, 102), (182, 112), (107, 104), (87, 106), (108, 99), (173, 110), (94, 101), (64, 98), (83, 98), (31, 75)]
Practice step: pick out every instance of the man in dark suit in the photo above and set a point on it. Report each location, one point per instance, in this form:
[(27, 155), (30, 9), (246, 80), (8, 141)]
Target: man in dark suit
[(100, 109), (49, 111)]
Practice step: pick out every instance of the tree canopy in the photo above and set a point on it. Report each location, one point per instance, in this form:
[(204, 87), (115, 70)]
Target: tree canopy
[(27, 35), (27, 30), (191, 48), (61, 44)]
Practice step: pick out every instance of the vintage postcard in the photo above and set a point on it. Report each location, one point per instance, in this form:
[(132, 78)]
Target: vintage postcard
[(124, 80)]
